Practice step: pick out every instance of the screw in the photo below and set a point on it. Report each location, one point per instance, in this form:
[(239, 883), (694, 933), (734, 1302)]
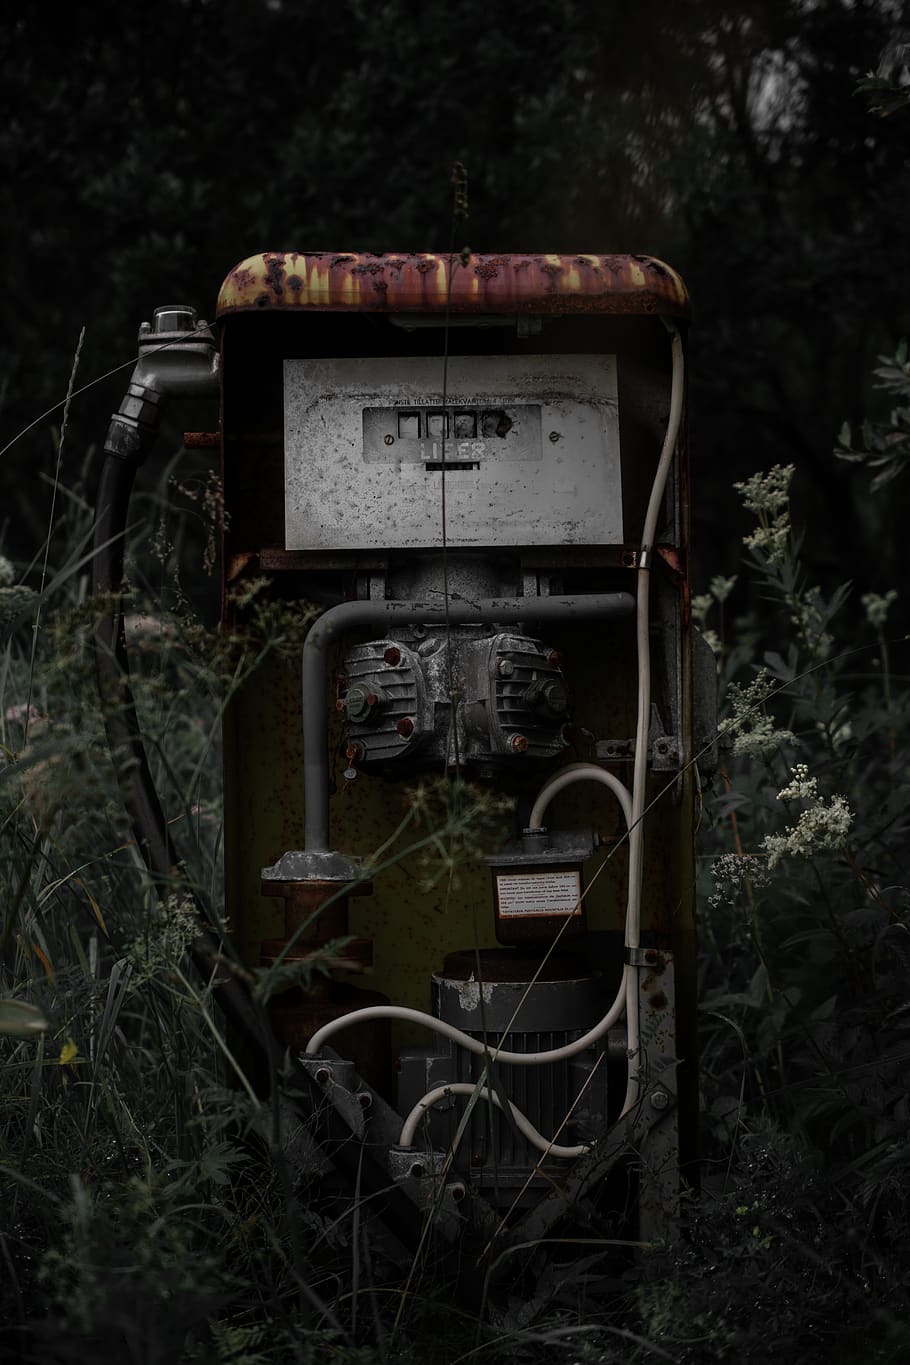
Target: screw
[(389, 440), (660, 1099), (519, 743), (364, 1099), (405, 727), (505, 668), (554, 436), (323, 1076), (392, 655)]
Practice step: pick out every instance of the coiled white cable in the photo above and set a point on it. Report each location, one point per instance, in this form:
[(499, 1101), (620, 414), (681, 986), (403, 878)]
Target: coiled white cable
[(480, 1049), (523, 1124)]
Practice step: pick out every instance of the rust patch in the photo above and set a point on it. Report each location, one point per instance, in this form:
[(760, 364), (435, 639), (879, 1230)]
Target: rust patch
[(243, 278), (199, 440), (487, 271), (274, 270), (673, 559)]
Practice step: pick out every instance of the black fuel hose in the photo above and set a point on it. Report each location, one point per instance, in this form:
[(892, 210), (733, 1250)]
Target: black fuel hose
[(124, 737)]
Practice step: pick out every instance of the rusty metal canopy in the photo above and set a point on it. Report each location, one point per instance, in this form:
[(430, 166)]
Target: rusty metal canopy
[(427, 282)]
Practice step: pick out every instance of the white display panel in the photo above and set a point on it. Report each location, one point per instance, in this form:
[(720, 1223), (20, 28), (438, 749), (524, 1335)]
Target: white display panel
[(530, 454)]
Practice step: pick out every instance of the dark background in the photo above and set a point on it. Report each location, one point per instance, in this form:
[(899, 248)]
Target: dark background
[(147, 149)]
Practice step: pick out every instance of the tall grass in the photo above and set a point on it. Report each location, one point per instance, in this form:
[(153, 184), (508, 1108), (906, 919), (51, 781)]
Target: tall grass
[(148, 1214)]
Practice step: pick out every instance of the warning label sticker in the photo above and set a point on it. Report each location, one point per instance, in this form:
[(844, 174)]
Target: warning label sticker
[(540, 893)]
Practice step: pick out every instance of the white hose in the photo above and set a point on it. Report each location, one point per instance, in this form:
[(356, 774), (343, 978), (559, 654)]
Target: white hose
[(524, 1125), (579, 772), (480, 1049), (642, 730)]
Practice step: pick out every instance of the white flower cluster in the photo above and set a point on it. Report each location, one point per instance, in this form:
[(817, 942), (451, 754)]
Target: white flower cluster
[(7, 572), (700, 605), (807, 614), (877, 606), (823, 824), (732, 871), (170, 932), (721, 587), (755, 731), (768, 496)]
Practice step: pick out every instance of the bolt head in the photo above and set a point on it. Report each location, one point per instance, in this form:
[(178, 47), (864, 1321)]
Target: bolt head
[(505, 668), (392, 655), (405, 727), (660, 1099), (389, 440), (519, 743)]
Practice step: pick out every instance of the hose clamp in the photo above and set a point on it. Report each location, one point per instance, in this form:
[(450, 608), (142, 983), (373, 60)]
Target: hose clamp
[(642, 957)]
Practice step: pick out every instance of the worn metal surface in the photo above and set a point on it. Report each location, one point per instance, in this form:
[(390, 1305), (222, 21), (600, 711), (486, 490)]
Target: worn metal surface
[(428, 282), (405, 693), (529, 446)]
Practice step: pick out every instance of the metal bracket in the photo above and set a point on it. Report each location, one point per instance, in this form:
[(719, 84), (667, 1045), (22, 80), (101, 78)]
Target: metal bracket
[(423, 1177), (643, 957), (647, 1136)]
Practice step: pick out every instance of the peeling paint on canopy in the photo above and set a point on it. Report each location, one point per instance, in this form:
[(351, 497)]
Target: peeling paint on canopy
[(420, 283)]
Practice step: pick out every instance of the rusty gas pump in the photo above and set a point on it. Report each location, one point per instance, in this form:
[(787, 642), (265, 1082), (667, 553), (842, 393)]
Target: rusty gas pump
[(476, 468)]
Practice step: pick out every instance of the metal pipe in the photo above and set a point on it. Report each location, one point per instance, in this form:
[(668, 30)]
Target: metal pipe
[(388, 614)]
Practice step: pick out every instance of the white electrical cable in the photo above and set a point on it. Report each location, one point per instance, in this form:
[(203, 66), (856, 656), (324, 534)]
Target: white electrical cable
[(579, 772), (480, 1049), (642, 730), (523, 1124)]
